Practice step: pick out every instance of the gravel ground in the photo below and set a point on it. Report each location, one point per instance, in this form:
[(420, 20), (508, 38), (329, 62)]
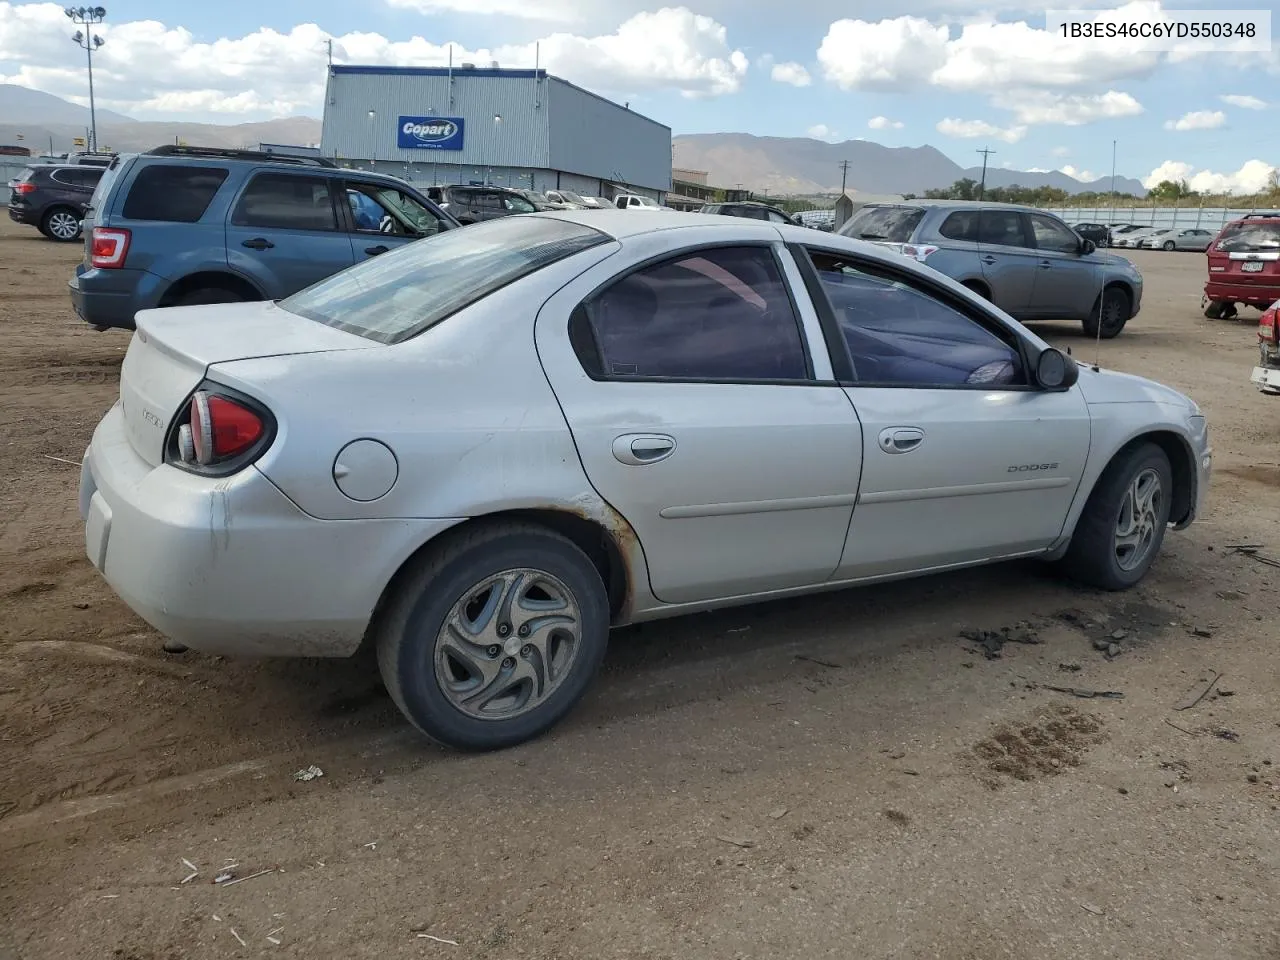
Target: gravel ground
[(842, 776)]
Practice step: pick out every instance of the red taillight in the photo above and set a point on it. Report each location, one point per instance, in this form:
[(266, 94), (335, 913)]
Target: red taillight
[(921, 252), (220, 429), (108, 248), (1267, 324), (22, 189)]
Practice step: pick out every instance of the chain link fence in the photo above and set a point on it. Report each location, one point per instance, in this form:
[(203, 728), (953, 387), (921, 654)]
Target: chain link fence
[(1175, 217)]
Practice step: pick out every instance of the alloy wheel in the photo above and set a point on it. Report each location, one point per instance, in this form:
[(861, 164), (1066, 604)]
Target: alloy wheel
[(1140, 510), (63, 225)]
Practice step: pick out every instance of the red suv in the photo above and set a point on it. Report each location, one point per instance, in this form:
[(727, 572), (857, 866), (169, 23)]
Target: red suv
[(1244, 266)]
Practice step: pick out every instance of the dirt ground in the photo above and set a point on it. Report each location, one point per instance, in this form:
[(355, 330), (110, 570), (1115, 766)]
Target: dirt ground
[(844, 776)]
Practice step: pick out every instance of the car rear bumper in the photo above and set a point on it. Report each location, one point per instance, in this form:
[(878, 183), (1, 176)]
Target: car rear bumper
[(23, 214), (231, 565), (1255, 294), (1266, 379), (106, 298)]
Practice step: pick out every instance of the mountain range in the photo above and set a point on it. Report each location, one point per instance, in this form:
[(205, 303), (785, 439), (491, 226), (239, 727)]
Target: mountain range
[(800, 165), (770, 165)]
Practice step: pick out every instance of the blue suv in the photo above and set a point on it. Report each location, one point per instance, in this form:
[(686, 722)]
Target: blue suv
[(184, 225)]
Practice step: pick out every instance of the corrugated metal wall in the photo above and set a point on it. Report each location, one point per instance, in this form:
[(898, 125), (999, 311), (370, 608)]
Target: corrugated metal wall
[(593, 137), (518, 140), (10, 167)]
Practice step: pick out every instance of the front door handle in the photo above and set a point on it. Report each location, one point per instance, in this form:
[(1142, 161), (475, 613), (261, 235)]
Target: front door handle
[(637, 449), (374, 251), (258, 243), (900, 439), (988, 260)]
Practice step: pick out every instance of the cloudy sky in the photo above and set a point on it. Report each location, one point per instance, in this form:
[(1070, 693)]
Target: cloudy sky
[(958, 74)]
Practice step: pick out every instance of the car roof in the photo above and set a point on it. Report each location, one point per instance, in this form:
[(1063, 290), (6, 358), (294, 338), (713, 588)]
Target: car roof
[(958, 204)]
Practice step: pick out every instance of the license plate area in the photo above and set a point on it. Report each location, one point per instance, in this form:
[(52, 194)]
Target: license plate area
[(1252, 266)]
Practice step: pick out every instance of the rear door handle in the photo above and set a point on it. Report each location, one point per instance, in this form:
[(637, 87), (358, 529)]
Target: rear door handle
[(1046, 264), (258, 243), (900, 439), (374, 251), (988, 259), (637, 449)]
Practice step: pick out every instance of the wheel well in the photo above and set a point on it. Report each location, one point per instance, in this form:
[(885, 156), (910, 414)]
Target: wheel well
[(978, 287), (206, 279), (588, 536), (1180, 462)]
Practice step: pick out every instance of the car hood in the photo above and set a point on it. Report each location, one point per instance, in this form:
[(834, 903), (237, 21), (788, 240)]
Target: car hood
[(1111, 386), (1113, 260)]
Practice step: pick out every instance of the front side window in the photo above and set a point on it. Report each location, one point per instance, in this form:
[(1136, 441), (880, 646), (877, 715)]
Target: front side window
[(517, 204), (380, 209), (284, 202), (900, 335), (173, 194), (721, 314), (1053, 236), (397, 295)]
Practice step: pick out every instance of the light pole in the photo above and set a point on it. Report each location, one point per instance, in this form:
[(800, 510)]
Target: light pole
[(488, 169), (88, 18)]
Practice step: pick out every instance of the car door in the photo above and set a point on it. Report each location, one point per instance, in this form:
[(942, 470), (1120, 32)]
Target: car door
[(283, 232), (1066, 283), (381, 217), (962, 460), (701, 402), (1007, 258)]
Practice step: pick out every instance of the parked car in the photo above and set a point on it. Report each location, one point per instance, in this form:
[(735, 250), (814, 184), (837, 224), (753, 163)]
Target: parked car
[(53, 199), (1098, 233), (482, 451), (1174, 239), (596, 203), (752, 210), (567, 199), (633, 201), (472, 204), (1132, 238), (540, 200), (190, 225), (1027, 262), (1266, 375), (1244, 266), (1120, 230)]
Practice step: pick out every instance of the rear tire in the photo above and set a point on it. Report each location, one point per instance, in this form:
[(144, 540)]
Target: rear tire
[(492, 638), (1119, 534), (1109, 314), (1213, 309), (205, 295), (61, 224), (1168, 245)]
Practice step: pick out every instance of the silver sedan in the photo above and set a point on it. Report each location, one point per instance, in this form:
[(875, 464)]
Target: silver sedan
[(484, 449), (1172, 239)]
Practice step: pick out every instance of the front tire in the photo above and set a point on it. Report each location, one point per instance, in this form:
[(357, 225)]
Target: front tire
[(1110, 313), (1168, 245), (1122, 527), (491, 639), (61, 224)]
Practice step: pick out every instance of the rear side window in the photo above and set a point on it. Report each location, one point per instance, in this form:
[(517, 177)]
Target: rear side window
[(397, 295), (895, 224), (172, 194), (285, 202), (1250, 237), (1001, 228), (961, 225)]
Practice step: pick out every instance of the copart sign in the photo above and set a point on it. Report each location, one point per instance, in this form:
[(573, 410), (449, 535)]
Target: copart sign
[(430, 133)]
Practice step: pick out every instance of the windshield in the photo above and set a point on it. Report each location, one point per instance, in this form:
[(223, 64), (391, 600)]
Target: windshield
[(647, 202), (571, 197), (397, 295), (1242, 237), (895, 224)]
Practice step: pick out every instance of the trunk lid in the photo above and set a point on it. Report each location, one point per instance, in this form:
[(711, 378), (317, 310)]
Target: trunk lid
[(173, 348)]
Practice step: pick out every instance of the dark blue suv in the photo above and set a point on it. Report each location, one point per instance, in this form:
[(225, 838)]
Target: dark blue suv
[(187, 225)]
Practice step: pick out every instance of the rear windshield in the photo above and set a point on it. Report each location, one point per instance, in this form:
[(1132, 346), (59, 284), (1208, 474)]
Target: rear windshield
[(570, 196), (396, 296), (895, 224), (1240, 237)]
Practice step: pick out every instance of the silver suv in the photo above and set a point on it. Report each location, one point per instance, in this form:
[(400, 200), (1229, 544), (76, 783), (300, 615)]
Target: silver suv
[(1027, 262)]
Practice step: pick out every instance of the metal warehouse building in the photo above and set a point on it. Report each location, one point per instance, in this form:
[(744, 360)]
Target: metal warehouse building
[(517, 128)]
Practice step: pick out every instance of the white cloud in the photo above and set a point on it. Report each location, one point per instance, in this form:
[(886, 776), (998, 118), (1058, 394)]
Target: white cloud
[(792, 73), (564, 11), (1085, 176), (1033, 107), (1061, 151), (148, 67), (1036, 170), (884, 123), (972, 129), (893, 54), (1198, 120), (820, 131), (1252, 177), (1244, 101)]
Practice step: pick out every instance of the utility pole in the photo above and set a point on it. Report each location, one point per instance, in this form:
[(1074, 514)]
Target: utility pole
[(844, 175), (329, 43), (88, 17), (982, 187), (1113, 183)]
